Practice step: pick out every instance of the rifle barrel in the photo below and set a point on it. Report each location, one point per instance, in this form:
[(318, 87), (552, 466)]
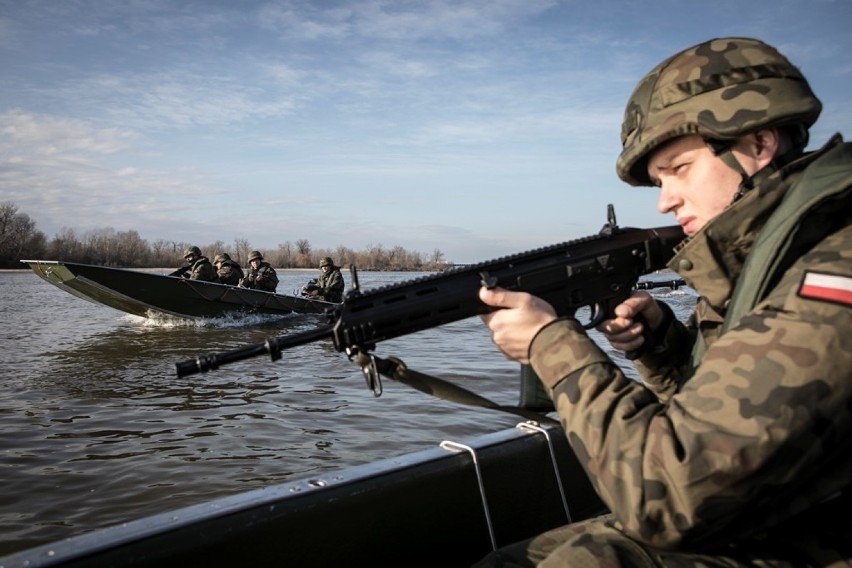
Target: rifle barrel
[(650, 284), (273, 346)]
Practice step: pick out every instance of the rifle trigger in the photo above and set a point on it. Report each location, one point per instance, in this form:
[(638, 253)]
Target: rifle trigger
[(598, 315)]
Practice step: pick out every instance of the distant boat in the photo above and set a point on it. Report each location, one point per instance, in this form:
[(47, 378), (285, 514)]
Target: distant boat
[(446, 506), (150, 295)]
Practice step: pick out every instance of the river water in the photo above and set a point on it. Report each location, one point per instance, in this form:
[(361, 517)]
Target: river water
[(97, 429)]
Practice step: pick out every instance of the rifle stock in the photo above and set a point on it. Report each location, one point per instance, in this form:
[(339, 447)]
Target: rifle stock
[(599, 271)]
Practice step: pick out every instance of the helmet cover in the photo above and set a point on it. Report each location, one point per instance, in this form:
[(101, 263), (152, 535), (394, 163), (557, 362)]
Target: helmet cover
[(720, 89)]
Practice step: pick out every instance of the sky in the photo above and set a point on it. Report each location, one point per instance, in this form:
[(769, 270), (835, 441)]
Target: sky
[(476, 128)]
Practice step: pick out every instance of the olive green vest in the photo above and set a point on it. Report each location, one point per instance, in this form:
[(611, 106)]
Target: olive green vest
[(825, 186)]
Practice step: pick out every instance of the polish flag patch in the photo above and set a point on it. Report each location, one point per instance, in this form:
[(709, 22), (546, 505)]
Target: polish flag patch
[(827, 287)]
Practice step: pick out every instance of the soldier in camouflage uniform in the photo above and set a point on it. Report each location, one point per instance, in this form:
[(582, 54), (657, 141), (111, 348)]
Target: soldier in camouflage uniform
[(735, 448), (329, 286), (229, 271), (260, 274), (199, 267)]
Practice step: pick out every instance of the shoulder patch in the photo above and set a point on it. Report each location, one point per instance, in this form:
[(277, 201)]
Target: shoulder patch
[(826, 287)]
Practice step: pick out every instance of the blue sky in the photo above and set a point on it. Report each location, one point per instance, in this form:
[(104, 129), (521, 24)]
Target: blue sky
[(479, 128)]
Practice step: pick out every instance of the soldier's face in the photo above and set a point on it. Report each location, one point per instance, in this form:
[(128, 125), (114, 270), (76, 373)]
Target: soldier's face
[(695, 184)]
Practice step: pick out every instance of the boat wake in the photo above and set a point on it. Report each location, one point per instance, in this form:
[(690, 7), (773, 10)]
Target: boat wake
[(234, 320)]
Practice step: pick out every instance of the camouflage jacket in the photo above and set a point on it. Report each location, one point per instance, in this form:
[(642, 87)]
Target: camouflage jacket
[(331, 286), (264, 278), (230, 272), (747, 443), (202, 269)]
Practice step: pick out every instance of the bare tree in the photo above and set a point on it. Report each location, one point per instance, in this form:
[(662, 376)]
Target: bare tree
[(376, 257), (65, 245), (214, 248), (303, 253), (131, 250), (17, 232), (35, 247), (8, 213), (242, 248), (303, 246), (284, 255), (345, 256), (415, 260)]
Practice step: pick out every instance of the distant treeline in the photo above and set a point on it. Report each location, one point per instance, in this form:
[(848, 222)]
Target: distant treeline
[(20, 240)]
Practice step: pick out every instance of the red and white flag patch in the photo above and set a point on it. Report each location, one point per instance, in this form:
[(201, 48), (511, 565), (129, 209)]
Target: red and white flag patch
[(827, 287)]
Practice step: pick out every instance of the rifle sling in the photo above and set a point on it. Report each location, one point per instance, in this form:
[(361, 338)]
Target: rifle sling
[(394, 369)]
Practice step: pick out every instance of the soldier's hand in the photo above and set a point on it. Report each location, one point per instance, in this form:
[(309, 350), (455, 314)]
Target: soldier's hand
[(623, 331), (514, 327)]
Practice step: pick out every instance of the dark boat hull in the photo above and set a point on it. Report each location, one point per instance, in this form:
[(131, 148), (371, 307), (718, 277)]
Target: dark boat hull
[(150, 295), (424, 508)]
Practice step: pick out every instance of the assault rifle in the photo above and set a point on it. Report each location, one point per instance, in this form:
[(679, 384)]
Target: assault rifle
[(598, 272), (311, 286), (180, 271)]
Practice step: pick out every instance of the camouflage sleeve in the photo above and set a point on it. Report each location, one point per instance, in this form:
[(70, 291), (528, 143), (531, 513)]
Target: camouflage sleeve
[(330, 281), (268, 278), (203, 270), (662, 368), (228, 275), (761, 432), (335, 283)]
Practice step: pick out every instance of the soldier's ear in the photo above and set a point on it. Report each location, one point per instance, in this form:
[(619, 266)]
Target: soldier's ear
[(766, 145)]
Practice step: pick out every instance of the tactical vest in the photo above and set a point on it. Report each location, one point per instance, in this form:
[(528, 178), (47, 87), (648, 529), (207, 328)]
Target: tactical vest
[(812, 209)]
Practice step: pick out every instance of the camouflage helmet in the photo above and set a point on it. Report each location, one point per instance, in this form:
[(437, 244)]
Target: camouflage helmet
[(720, 89), (255, 255), (191, 250), (326, 262), (221, 257)]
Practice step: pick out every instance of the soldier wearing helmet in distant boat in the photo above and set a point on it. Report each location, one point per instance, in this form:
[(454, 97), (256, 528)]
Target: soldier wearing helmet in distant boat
[(198, 266), (229, 271), (735, 448), (329, 286), (260, 274)]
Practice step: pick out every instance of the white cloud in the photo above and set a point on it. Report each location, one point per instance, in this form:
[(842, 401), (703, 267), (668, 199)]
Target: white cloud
[(25, 134)]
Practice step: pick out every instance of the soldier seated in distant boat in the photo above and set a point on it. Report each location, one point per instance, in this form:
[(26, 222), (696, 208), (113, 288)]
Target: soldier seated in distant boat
[(329, 286), (229, 271), (260, 274), (198, 266)]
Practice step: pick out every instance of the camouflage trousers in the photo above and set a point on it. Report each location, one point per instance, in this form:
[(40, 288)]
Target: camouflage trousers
[(598, 543)]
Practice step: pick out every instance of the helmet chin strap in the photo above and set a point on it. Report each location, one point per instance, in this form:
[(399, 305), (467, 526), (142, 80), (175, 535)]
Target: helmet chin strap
[(722, 150)]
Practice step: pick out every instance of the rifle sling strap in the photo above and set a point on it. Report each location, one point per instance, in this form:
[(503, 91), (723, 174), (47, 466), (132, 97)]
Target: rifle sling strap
[(396, 370)]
